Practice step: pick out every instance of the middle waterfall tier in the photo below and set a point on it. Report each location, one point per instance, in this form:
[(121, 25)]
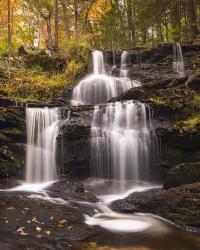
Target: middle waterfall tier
[(42, 130), (124, 144), (99, 87)]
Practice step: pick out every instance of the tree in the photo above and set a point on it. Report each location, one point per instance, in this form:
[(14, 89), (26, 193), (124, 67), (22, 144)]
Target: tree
[(56, 24), (9, 26), (190, 5)]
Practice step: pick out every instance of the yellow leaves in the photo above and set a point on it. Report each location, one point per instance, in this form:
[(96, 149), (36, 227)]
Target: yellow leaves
[(100, 8)]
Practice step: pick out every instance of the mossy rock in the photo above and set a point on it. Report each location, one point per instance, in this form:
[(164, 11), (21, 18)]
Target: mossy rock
[(10, 168), (46, 62)]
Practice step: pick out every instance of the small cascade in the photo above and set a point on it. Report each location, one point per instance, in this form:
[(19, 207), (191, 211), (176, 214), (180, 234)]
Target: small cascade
[(178, 62), (99, 87), (124, 62), (138, 58), (124, 146), (42, 129), (98, 62)]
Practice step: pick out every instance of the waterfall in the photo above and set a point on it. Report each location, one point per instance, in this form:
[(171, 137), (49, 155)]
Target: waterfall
[(124, 145), (99, 87), (42, 129), (124, 61), (178, 62), (98, 62)]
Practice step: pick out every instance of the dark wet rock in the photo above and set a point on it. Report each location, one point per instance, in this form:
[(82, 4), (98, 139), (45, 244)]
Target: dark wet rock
[(183, 174), (72, 189), (33, 223), (22, 51), (5, 101), (12, 141), (194, 82), (74, 141), (45, 61), (180, 205), (132, 94)]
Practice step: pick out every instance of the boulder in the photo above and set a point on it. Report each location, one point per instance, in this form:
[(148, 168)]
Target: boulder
[(74, 142), (183, 174), (179, 205), (12, 141), (194, 82), (22, 51)]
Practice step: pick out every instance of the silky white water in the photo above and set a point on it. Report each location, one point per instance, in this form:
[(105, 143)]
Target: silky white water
[(124, 145), (42, 130), (178, 62), (99, 86), (124, 152), (124, 62)]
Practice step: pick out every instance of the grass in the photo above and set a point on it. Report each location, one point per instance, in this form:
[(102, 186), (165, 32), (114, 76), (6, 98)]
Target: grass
[(23, 78)]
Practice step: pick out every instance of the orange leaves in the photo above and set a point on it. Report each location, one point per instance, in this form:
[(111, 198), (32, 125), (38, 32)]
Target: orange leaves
[(100, 8)]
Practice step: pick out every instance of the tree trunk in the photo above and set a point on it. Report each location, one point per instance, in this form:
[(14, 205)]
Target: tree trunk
[(190, 5), (66, 19), (49, 40), (9, 26), (130, 20), (56, 24), (75, 21), (175, 21), (144, 35)]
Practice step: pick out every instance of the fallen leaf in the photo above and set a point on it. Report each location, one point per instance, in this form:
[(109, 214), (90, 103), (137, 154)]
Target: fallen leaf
[(47, 232), (62, 222), (35, 220), (21, 231), (38, 229), (10, 208)]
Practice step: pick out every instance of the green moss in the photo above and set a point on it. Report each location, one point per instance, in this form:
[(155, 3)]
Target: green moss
[(157, 100), (41, 77), (189, 123), (2, 137)]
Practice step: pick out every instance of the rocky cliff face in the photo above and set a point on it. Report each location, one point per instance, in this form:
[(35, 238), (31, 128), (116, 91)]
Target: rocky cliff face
[(74, 141), (12, 139), (173, 99)]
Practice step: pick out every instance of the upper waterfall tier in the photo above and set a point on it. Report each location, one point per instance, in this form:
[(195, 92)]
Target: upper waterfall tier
[(99, 87)]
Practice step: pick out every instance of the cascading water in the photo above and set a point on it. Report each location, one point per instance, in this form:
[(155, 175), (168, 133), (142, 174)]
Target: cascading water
[(42, 129), (178, 62), (99, 87), (124, 145), (124, 61)]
